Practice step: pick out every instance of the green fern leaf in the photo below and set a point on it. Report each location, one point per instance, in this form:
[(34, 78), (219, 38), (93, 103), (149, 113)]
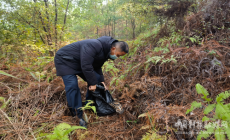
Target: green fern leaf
[(205, 119), (194, 106), (224, 95), (222, 112), (201, 90), (203, 134), (52, 137), (209, 108), (227, 130), (59, 133), (62, 126), (219, 134), (192, 39), (73, 128)]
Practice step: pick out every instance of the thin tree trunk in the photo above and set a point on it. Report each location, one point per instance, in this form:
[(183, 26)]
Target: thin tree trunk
[(48, 24), (55, 22), (112, 30), (133, 27), (114, 23), (126, 29), (97, 31), (34, 19), (105, 30), (24, 20), (140, 27), (42, 21), (66, 10), (108, 28), (27, 22)]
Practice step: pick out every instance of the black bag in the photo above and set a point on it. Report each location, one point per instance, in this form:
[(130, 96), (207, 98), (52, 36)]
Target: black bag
[(102, 100)]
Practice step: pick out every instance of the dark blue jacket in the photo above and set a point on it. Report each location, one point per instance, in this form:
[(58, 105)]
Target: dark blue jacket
[(85, 57)]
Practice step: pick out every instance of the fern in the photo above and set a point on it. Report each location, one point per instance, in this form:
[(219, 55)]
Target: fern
[(60, 132), (209, 108), (193, 39), (222, 113), (194, 106), (222, 96), (201, 90)]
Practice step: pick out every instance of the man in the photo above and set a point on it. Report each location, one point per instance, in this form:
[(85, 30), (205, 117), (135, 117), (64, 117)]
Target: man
[(85, 59)]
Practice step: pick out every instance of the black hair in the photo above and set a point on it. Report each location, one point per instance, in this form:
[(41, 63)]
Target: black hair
[(122, 45)]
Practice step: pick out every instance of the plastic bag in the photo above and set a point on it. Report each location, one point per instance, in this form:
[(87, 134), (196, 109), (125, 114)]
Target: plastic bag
[(102, 99)]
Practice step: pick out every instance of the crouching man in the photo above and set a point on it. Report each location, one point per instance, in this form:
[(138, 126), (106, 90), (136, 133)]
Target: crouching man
[(85, 59)]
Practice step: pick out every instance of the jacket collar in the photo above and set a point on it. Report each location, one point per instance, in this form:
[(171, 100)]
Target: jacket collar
[(106, 42)]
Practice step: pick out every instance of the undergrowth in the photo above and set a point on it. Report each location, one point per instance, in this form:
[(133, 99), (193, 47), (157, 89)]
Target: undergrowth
[(219, 123)]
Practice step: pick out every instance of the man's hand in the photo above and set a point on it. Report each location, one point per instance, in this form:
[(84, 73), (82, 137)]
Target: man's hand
[(92, 88), (104, 85)]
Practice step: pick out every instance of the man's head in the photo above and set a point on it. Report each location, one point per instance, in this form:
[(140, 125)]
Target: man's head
[(118, 49)]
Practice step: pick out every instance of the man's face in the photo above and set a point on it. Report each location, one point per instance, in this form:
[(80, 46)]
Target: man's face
[(117, 52)]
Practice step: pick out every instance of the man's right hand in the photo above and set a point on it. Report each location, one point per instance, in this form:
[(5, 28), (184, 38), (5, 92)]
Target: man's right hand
[(92, 88)]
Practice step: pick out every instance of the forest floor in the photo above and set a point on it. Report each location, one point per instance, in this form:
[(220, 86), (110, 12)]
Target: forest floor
[(154, 100)]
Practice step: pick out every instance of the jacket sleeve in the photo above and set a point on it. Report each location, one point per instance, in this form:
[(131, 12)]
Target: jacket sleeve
[(99, 71), (87, 55)]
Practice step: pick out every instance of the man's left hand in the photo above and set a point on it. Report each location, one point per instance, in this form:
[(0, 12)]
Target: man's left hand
[(104, 85)]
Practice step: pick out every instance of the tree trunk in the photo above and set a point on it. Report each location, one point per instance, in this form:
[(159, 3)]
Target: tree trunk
[(126, 29), (112, 30), (66, 10), (55, 22), (43, 24), (108, 27), (140, 27), (133, 27), (48, 24), (97, 31), (114, 23)]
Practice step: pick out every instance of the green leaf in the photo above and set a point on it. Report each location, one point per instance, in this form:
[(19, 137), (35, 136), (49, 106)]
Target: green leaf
[(62, 126), (222, 112), (192, 39), (224, 95), (202, 134), (205, 119), (117, 82), (209, 108), (227, 130), (194, 105), (73, 128), (52, 137), (94, 109), (4, 73), (201, 90), (219, 134)]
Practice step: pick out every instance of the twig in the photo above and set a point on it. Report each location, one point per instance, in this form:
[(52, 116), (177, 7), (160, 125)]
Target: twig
[(11, 123)]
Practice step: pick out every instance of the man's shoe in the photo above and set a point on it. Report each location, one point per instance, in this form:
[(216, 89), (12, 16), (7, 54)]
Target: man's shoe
[(83, 123), (117, 106)]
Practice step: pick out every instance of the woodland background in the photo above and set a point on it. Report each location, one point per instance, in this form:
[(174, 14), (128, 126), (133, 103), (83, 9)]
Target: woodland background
[(174, 45)]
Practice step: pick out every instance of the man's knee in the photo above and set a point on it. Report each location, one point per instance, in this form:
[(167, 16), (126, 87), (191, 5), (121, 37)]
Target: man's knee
[(70, 81)]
